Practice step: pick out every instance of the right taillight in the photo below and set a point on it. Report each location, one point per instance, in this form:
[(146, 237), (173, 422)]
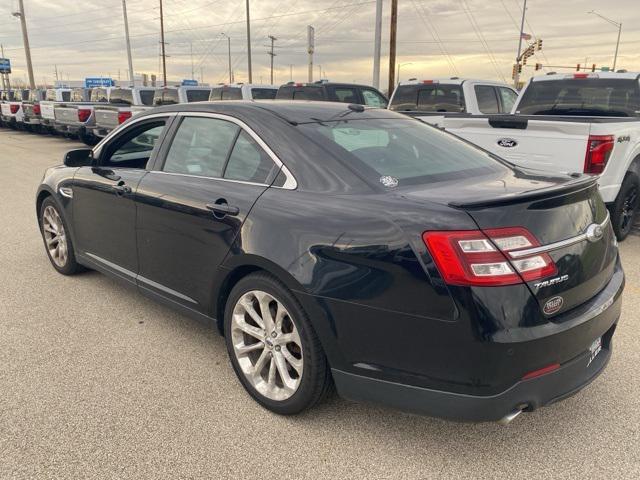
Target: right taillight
[(599, 148), (83, 114), (476, 258), (36, 109), (14, 109), (123, 116)]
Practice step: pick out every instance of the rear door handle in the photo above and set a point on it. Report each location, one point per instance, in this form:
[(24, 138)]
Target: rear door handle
[(121, 189), (223, 209)]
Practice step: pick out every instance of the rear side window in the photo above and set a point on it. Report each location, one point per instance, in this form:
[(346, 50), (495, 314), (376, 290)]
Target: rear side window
[(263, 93), (373, 99), (308, 93), (231, 94), (216, 94), (166, 96), (248, 161), (284, 93), (78, 95), (99, 95), (198, 95), (401, 152), (582, 96), (121, 95), (201, 147), (487, 99), (50, 96)]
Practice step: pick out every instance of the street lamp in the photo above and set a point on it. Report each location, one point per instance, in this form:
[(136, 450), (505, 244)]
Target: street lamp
[(25, 40), (400, 65), (229, 48), (616, 24)]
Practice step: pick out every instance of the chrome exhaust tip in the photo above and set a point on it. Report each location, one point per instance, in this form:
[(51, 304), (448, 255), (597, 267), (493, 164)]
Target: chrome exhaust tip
[(507, 419)]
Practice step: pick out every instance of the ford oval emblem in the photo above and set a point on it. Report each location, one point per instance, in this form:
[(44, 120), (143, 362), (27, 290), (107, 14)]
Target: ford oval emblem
[(553, 305), (507, 143)]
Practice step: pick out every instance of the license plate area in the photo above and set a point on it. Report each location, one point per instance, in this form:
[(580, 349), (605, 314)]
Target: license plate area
[(594, 350)]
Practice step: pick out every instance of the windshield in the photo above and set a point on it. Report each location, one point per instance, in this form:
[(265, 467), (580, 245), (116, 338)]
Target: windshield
[(121, 95), (430, 97), (401, 152), (582, 97), (263, 93)]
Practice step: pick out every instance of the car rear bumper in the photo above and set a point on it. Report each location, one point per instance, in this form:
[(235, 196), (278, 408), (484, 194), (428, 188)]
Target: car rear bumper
[(525, 395)]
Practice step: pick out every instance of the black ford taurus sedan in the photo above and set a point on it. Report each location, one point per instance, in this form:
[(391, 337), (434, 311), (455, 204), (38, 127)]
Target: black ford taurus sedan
[(336, 244)]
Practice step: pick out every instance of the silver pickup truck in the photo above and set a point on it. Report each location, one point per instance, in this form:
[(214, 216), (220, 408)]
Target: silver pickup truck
[(118, 109), (76, 118), (52, 97), (31, 117)]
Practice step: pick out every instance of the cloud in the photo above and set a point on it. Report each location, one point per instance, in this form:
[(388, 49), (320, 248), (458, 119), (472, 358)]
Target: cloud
[(472, 38)]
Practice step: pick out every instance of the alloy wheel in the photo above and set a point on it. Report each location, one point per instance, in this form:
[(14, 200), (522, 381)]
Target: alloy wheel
[(267, 345), (55, 236)]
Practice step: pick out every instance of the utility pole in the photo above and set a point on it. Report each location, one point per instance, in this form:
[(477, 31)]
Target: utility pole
[(291, 72), (229, 50), (164, 56), (249, 44), (191, 52), (126, 34), (392, 45), (377, 45), (516, 77), (5, 76), (25, 41), (272, 54), (310, 49), (616, 24)]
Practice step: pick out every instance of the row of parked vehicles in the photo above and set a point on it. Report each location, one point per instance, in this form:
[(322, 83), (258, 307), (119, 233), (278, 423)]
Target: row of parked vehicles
[(558, 123)]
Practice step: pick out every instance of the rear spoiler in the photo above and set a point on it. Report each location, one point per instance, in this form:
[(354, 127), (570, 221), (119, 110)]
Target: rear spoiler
[(581, 182)]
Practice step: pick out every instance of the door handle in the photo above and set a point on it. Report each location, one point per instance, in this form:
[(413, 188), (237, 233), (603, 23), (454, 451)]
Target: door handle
[(223, 209), (121, 189)]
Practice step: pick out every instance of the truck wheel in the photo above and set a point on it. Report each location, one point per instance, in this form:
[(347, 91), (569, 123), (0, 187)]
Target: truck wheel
[(623, 211), (88, 139)]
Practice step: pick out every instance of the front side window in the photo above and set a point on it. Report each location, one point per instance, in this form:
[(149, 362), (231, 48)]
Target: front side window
[(373, 99), (487, 99), (198, 95), (346, 95), (133, 148), (263, 93), (406, 151), (248, 161), (201, 147), (508, 98)]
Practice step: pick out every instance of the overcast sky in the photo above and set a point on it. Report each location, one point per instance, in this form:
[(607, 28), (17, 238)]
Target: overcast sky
[(469, 38)]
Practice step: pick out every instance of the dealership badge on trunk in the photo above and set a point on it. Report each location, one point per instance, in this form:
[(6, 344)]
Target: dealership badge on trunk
[(553, 305)]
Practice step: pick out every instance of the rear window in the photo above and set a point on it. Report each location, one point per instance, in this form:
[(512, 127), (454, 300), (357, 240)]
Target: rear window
[(216, 94), (35, 95), (121, 95), (66, 96), (146, 97), (433, 97), (99, 95), (78, 95), (263, 93), (308, 93), (198, 95), (401, 152), (166, 96), (231, 94), (582, 97)]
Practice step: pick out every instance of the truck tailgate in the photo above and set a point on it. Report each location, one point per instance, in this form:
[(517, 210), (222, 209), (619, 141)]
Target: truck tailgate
[(66, 114), (556, 146), (107, 117)]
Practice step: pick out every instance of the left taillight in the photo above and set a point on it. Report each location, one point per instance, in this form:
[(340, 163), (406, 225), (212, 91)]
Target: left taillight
[(36, 109), (599, 148), (83, 114), (479, 258), (14, 109)]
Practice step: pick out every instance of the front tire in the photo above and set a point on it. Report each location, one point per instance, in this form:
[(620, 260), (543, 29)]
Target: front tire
[(57, 241), (272, 346), (625, 208)]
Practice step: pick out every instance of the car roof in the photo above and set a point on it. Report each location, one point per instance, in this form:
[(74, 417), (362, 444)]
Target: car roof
[(602, 75), (452, 81), (294, 111)]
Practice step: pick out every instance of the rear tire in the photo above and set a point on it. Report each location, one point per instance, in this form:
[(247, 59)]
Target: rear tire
[(625, 208), (281, 364), (57, 241)]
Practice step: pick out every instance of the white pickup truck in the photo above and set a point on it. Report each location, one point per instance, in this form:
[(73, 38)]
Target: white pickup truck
[(577, 122), (47, 106), (435, 99), (11, 113), (76, 117), (174, 95), (243, 91)]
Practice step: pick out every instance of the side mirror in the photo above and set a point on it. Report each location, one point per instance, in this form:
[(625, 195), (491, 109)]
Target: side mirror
[(79, 157)]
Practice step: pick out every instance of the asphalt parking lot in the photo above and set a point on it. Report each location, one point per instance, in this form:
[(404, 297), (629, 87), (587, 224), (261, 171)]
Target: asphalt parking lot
[(96, 381)]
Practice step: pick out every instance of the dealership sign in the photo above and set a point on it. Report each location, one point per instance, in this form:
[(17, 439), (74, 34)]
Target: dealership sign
[(94, 82), (189, 83), (5, 65)]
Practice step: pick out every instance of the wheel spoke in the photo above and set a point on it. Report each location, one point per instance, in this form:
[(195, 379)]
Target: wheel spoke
[(244, 349), (280, 314), (292, 337), (248, 307), (296, 363), (287, 381), (264, 300), (250, 329), (271, 379), (52, 240), (259, 365)]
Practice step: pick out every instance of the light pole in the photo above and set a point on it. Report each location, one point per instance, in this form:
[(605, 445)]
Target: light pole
[(229, 50), (126, 36), (249, 44), (400, 65), (616, 24), (516, 77), (25, 40)]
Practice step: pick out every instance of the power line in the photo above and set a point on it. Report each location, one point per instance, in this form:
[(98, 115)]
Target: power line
[(434, 34)]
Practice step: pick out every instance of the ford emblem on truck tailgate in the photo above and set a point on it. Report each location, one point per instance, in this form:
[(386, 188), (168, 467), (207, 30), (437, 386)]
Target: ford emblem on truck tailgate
[(507, 142), (553, 305)]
